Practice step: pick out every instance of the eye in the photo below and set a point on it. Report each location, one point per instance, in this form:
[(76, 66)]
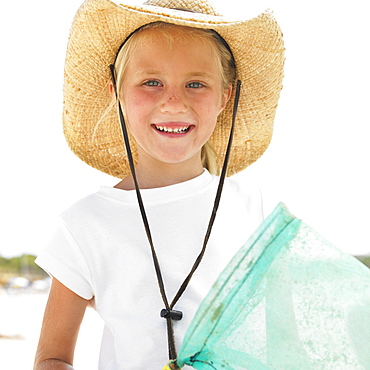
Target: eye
[(195, 85), (152, 83)]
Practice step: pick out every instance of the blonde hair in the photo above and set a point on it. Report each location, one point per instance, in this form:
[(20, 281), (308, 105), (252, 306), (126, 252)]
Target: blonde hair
[(221, 51)]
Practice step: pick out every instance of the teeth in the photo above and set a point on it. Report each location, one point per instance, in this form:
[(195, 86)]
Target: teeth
[(178, 130)]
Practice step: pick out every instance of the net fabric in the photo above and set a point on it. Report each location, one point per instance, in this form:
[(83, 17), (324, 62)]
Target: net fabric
[(287, 300)]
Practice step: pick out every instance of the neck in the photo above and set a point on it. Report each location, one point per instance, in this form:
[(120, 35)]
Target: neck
[(166, 174)]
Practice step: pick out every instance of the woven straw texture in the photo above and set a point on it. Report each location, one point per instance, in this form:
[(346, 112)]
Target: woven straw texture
[(98, 30)]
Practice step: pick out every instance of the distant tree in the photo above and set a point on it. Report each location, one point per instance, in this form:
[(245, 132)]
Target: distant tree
[(21, 265), (365, 260)]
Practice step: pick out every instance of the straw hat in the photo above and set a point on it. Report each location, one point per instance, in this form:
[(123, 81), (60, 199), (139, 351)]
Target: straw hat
[(100, 26)]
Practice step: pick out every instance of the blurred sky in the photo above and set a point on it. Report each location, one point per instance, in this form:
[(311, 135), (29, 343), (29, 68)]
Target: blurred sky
[(317, 163)]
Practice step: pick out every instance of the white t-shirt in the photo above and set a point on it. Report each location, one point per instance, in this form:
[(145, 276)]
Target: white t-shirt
[(101, 250)]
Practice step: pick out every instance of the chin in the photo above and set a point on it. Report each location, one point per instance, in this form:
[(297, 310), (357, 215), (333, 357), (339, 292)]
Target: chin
[(171, 157), (181, 157)]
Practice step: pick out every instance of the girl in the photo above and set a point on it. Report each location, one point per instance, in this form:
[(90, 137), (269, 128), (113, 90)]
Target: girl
[(174, 67)]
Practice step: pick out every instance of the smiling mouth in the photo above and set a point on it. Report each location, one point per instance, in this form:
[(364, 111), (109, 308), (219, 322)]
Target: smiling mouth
[(173, 130)]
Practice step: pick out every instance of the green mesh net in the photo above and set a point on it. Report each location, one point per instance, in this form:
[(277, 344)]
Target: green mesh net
[(287, 300)]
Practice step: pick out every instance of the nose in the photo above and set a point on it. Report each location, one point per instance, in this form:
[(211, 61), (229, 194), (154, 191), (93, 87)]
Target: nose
[(174, 101)]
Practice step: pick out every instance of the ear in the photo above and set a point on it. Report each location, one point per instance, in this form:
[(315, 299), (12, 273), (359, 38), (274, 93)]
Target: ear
[(226, 95)]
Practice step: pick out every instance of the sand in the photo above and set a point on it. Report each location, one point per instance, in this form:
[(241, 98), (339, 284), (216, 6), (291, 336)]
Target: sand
[(20, 322)]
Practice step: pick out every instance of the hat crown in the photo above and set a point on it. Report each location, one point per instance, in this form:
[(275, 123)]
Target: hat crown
[(197, 6)]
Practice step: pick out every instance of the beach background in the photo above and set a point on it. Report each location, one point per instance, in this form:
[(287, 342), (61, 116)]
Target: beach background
[(20, 324)]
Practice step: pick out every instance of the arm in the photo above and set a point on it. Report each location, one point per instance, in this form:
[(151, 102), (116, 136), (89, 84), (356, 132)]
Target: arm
[(62, 319)]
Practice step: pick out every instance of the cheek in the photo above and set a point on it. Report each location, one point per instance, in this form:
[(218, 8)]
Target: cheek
[(135, 105), (211, 109), (134, 101)]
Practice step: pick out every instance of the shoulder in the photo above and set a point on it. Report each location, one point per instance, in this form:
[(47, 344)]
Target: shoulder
[(82, 204), (245, 186), (245, 191), (92, 205)]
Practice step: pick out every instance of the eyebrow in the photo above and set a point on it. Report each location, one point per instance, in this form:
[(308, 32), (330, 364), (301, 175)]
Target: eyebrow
[(149, 72)]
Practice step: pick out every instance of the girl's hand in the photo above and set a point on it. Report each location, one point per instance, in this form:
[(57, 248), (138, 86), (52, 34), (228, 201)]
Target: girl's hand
[(171, 366)]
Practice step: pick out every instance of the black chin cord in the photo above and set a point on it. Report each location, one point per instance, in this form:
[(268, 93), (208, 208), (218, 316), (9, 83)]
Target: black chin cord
[(168, 312)]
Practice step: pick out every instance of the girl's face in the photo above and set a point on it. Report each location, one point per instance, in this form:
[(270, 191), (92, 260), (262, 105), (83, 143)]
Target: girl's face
[(172, 95)]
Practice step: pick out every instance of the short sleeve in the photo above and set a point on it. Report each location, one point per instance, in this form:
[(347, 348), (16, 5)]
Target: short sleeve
[(62, 259)]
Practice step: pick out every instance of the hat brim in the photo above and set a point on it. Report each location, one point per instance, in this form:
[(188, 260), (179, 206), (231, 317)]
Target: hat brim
[(98, 30)]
